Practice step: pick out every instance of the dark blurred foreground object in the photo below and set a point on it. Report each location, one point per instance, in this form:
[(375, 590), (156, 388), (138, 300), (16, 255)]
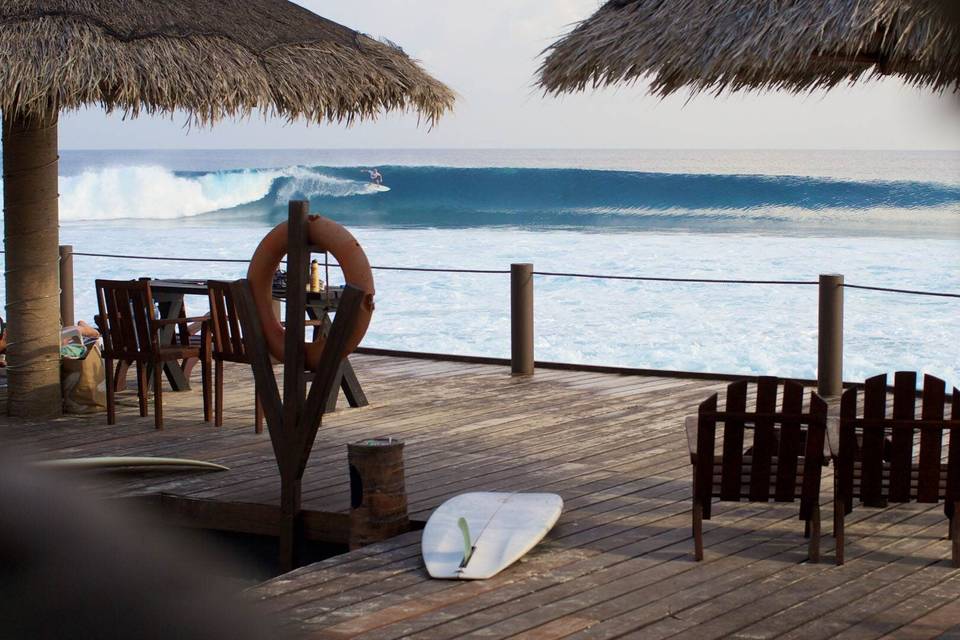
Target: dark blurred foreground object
[(71, 567)]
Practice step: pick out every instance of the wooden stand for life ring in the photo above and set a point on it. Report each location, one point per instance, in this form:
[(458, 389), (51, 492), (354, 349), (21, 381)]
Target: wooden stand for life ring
[(294, 420)]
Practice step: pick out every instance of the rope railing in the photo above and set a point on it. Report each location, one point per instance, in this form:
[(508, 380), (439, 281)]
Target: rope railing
[(666, 279), (555, 274), (908, 291), (161, 258)]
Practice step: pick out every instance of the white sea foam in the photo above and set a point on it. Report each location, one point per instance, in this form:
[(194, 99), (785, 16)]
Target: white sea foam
[(157, 193), (308, 183), (154, 192), (892, 221)]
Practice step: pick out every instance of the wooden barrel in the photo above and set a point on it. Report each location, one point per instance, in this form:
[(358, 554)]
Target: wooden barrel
[(378, 497)]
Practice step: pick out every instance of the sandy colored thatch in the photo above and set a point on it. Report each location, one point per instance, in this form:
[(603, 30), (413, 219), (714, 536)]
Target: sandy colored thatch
[(716, 45), (212, 58)]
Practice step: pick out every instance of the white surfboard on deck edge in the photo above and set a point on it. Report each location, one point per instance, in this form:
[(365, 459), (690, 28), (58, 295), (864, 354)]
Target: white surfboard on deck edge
[(503, 527)]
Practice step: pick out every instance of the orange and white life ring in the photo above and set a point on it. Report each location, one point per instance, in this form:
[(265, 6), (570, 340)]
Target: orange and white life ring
[(324, 235)]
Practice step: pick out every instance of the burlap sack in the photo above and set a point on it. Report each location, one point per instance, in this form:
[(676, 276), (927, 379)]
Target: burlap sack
[(84, 383)]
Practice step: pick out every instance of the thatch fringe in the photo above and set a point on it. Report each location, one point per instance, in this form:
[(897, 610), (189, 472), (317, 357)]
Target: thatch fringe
[(717, 45), (210, 59)]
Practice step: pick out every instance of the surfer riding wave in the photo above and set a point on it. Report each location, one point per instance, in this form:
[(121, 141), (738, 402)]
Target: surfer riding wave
[(375, 176)]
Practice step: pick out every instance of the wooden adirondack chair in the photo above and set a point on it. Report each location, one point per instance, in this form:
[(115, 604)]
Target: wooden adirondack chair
[(875, 458), (784, 460), (131, 332)]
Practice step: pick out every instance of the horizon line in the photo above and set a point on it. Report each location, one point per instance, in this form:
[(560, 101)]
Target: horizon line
[(609, 149)]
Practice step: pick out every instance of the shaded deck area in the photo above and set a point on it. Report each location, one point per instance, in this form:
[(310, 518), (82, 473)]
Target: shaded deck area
[(620, 560)]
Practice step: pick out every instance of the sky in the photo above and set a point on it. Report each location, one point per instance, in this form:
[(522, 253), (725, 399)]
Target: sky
[(488, 53)]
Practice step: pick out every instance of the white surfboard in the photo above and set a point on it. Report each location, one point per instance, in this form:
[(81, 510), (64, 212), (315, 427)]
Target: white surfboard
[(129, 462), (474, 536)]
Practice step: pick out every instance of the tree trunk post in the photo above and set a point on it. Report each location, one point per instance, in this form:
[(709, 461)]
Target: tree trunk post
[(67, 318), (521, 319), (830, 336), (31, 233)]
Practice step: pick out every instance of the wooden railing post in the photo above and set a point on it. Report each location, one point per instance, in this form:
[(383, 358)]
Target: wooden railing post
[(830, 336), (67, 318), (521, 319)]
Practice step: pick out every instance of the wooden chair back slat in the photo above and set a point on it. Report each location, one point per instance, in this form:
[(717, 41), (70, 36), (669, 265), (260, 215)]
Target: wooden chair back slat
[(764, 440), (931, 440), (117, 322), (218, 315), (816, 436), (790, 433), (953, 458), (228, 341), (848, 448), (706, 438), (234, 321), (730, 483), (104, 320), (126, 311), (144, 312), (901, 444), (874, 407)]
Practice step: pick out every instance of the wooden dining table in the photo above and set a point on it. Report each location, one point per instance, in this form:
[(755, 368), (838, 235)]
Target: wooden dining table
[(169, 295)]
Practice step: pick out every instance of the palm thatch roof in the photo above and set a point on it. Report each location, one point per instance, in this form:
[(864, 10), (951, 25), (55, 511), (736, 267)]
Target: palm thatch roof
[(717, 45), (211, 58)]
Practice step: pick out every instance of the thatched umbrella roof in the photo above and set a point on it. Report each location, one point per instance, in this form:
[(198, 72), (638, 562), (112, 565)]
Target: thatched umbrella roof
[(796, 45), (212, 58)]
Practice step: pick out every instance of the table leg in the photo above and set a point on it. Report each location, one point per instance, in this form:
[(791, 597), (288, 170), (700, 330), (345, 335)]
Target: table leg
[(346, 377), (120, 376), (171, 307)]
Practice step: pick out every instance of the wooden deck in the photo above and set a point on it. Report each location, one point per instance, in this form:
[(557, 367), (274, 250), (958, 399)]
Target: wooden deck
[(619, 562)]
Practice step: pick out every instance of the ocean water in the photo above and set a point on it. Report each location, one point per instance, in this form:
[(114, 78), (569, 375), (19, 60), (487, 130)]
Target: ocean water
[(888, 219)]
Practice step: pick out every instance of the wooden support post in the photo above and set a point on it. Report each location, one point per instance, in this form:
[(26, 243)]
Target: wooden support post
[(294, 376), (830, 336), (290, 522), (298, 257), (378, 497), (521, 319), (67, 318)]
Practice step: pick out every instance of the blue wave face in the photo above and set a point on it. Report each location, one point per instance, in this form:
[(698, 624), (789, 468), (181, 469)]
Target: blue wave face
[(520, 189), (528, 198), (588, 199)]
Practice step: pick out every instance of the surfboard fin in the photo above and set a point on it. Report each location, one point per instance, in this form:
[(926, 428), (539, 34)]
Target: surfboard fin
[(468, 547)]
